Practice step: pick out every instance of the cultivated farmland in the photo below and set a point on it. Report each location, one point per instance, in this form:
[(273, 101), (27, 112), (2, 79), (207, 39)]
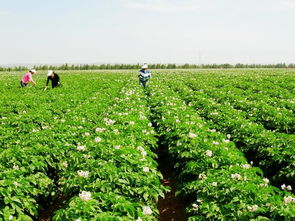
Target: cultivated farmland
[(89, 149)]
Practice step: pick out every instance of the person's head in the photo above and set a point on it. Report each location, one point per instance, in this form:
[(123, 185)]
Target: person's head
[(50, 73), (144, 67), (33, 71)]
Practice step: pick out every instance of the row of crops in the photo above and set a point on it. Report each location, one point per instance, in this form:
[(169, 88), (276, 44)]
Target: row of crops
[(91, 145)]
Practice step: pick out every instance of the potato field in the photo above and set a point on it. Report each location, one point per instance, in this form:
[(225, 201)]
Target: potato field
[(89, 150)]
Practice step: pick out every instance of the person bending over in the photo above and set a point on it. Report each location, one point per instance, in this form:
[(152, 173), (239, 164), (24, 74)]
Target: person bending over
[(54, 78), (27, 78)]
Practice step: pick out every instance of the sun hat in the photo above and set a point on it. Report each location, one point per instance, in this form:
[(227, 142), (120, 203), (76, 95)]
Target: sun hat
[(33, 71), (144, 66), (50, 72)]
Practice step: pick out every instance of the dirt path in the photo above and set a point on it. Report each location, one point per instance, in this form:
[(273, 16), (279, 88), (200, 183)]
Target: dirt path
[(171, 208), (48, 213)]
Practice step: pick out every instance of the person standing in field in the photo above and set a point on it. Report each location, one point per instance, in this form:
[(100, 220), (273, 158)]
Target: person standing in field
[(54, 78), (27, 78), (144, 75)]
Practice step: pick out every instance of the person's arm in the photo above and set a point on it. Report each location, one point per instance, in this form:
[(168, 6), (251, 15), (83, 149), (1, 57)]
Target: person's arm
[(58, 80), (32, 81)]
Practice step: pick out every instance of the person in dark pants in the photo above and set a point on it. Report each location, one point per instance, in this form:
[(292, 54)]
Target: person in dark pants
[(144, 75), (54, 78), (27, 78)]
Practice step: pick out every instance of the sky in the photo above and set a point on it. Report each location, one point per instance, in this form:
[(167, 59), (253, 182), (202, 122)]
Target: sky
[(147, 31)]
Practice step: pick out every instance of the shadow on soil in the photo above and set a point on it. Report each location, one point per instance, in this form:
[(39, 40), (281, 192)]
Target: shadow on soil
[(171, 207)]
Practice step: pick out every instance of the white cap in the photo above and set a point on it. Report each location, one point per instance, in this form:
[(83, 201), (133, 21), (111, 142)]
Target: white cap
[(50, 72), (33, 71), (144, 66)]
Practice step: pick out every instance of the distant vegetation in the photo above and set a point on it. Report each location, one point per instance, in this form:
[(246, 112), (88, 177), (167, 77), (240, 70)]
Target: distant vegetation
[(137, 66)]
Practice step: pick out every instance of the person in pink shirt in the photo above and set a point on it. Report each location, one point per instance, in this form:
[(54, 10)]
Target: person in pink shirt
[(27, 78)]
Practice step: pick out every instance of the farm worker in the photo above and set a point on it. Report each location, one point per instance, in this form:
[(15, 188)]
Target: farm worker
[(144, 75), (27, 78), (54, 78)]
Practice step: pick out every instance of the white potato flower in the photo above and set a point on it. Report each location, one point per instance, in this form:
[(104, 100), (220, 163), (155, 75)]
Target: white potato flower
[(263, 185), (65, 164), (195, 206), (146, 169), (236, 176), (225, 141), (146, 210), (252, 208), (99, 129), (140, 148), (15, 167), (85, 156), (192, 135), (289, 188), (246, 166), (289, 199), (117, 147), (143, 153), (97, 139), (82, 173), (85, 196), (81, 147), (209, 153), (214, 184), (202, 176)]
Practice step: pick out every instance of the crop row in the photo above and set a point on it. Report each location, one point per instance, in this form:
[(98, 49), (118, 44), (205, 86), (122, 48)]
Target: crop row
[(275, 84), (214, 177), (272, 118), (30, 168), (257, 86), (112, 171), (272, 152), (24, 110)]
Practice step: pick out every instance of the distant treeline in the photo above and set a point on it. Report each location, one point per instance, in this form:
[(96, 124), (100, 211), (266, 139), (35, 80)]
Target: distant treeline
[(151, 66)]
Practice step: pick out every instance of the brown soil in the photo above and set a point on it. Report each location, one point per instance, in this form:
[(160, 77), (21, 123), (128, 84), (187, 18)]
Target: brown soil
[(171, 208), (48, 212)]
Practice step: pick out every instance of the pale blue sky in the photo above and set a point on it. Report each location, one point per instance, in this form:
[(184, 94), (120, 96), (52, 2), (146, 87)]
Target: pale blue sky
[(153, 31)]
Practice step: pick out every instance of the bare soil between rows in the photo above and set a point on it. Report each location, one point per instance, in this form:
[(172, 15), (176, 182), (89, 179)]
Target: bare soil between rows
[(171, 208), (48, 212)]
